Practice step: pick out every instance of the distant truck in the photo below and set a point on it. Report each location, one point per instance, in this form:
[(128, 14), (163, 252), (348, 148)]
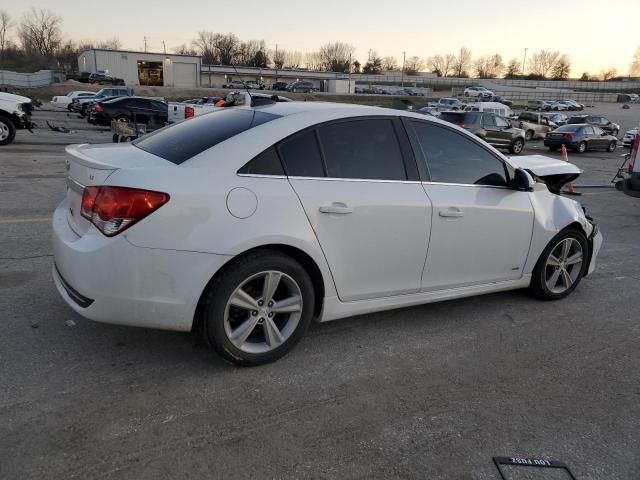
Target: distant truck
[(15, 114), (182, 111), (535, 125)]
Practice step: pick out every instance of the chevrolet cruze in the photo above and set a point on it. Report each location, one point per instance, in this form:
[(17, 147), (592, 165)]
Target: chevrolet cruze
[(251, 222)]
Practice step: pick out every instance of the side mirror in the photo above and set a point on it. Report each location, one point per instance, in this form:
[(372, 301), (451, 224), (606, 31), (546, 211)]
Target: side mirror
[(521, 181)]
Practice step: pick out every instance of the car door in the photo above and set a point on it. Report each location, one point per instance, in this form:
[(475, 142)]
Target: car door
[(492, 135), (481, 229), (503, 130), (362, 195), (600, 137), (589, 136)]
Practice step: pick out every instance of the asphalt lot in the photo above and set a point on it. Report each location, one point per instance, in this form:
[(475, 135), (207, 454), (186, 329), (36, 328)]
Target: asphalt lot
[(427, 392)]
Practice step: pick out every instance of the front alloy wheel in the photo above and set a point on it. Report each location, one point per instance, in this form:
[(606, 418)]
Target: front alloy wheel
[(561, 266), (258, 308)]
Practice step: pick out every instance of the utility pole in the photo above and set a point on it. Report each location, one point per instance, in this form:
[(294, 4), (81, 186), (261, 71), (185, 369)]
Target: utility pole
[(404, 58), (275, 63), (349, 74), (164, 46), (145, 44), (524, 59)]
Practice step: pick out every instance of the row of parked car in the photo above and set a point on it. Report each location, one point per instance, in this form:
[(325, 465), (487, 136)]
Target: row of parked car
[(101, 77), (299, 86)]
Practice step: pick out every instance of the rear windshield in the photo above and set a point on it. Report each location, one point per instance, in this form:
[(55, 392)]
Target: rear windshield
[(568, 128), (577, 120), (459, 118), (178, 143)]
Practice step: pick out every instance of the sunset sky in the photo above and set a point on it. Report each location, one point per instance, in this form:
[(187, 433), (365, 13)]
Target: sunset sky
[(595, 34)]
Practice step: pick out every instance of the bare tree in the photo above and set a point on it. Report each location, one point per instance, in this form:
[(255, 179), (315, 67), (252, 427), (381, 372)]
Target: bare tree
[(389, 63), (562, 68), (336, 57), (634, 68), (293, 59), (413, 65), (112, 43), (489, 67), (40, 32), (205, 45), (585, 77), (6, 24), (252, 53), (226, 47), (278, 57), (542, 62), (513, 69), (314, 61), (184, 50), (608, 73), (435, 63), (462, 62)]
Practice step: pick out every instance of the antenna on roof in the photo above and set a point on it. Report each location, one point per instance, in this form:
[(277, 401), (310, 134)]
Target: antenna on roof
[(243, 83)]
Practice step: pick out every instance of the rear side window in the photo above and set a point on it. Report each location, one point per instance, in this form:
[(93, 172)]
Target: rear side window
[(366, 149), (454, 158), (301, 155), (460, 118), (267, 163), (181, 141), (576, 120)]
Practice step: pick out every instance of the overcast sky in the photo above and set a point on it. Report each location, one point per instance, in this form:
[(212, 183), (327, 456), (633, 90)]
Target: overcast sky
[(596, 34)]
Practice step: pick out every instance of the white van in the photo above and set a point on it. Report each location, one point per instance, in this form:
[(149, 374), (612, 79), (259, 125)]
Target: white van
[(491, 107)]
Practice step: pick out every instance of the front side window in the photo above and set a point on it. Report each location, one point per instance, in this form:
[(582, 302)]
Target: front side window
[(452, 157), (587, 131), (362, 149), (488, 121), (502, 123)]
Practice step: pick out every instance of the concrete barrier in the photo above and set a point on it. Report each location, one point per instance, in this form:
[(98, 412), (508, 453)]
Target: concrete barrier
[(26, 80)]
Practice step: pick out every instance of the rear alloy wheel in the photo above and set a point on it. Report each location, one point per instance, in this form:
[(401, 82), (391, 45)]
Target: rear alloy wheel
[(582, 147), (528, 136), (517, 146), (561, 266), (612, 146), (7, 131), (256, 311)]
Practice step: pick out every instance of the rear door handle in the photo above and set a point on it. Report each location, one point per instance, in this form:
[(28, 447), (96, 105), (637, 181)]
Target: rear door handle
[(336, 207), (451, 212)]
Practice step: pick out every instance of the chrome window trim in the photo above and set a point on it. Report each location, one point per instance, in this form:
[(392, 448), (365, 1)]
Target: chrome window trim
[(366, 180), (260, 175), (468, 185)]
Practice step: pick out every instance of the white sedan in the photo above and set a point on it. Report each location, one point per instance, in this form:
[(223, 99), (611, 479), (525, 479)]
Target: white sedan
[(63, 101), (477, 92), (251, 223)]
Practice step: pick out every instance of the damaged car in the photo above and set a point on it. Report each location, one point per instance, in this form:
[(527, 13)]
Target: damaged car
[(15, 114), (247, 224)]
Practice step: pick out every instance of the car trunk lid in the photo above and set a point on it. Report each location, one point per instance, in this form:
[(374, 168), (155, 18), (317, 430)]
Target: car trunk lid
[(89, 165)]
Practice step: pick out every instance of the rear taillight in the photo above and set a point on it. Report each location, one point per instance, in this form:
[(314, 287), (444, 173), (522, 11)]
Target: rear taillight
[(114, 209), (462, 125), (189, 112), (97, 107), (568, 136), (548, 134)]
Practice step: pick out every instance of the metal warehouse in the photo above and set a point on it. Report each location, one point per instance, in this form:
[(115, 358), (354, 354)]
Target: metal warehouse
[(143, 68), (187, 71)]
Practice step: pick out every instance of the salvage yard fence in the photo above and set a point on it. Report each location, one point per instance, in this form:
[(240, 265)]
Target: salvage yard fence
[(27, 80), (521, 97)]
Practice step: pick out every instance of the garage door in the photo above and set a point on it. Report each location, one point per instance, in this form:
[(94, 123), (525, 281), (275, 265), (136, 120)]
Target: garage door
[(185, 75)]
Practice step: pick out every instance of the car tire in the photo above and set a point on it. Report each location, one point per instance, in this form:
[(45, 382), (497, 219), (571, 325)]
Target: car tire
[(517, 146), (612, 146), (582, 147), (7, 130), (528, 136), (69, 108), (270, 335), (553, 278)]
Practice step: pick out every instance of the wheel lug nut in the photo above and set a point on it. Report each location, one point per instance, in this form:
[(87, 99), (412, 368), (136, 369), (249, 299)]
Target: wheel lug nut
[(261, 320), (271, 304), (254, 313), (270, 314), (260, 302)]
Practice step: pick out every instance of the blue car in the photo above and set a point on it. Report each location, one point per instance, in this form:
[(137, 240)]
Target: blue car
[(580, 138)]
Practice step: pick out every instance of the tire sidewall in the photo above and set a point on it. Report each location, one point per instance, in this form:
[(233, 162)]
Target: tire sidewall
[(538, 284), (221, 289), (12, 130)]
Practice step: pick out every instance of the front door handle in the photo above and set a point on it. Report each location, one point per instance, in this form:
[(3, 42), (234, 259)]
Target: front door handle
[(451, 212), (336, 207)]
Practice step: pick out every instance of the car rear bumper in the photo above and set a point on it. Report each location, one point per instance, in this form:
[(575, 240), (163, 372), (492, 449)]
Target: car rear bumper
[(110, 280), (553, 142)]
